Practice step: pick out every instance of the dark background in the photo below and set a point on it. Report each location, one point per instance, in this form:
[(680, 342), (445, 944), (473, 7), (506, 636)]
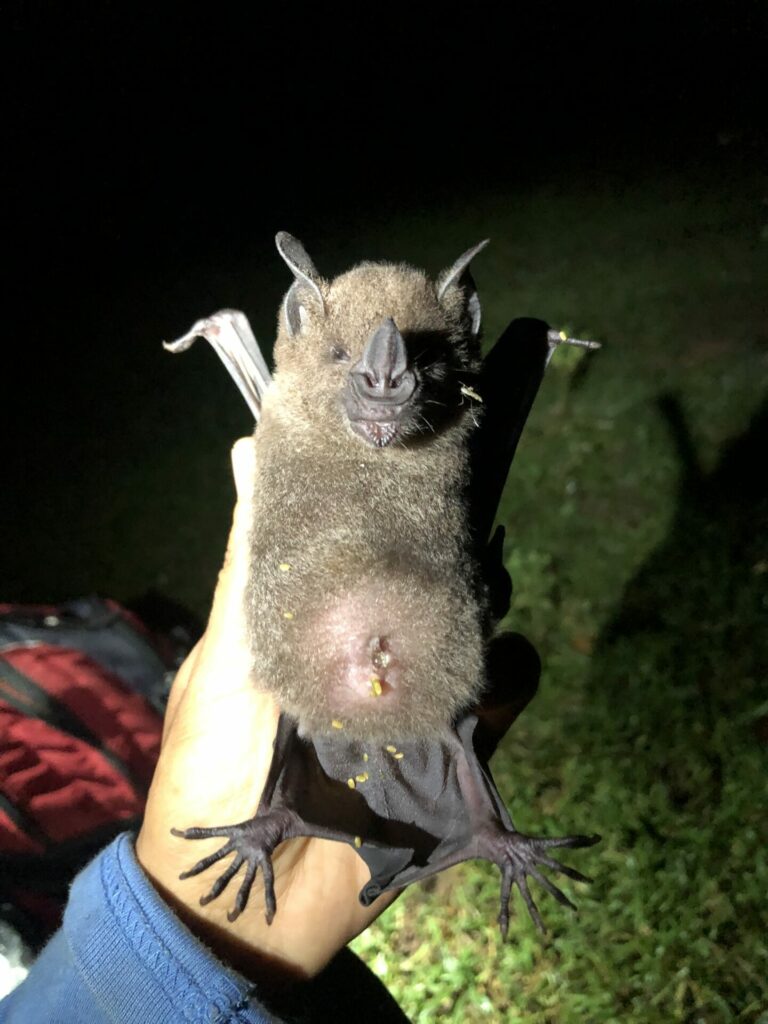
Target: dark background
[(168, 137), (150, 155)]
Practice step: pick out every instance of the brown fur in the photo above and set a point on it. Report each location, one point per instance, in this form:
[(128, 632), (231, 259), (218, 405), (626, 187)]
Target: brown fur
[(350, 542)]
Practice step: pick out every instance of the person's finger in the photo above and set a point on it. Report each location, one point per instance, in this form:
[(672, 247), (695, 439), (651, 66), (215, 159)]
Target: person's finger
[(243, 457)]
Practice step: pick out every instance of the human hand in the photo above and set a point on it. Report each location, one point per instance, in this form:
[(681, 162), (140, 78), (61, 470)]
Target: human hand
[(215, 756)]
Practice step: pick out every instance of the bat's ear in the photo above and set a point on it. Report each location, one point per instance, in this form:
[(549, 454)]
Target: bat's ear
[(307, 282), (457, 280)]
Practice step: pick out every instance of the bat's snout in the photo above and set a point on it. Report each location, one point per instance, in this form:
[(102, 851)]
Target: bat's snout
[(381, 385), (382, 375)]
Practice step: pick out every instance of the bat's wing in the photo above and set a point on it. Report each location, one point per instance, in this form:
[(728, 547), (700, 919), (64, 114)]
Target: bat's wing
[(509, 381), (508, 384), (231, 336)]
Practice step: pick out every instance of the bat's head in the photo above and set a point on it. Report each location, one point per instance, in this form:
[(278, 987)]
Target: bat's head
[(381, 353)]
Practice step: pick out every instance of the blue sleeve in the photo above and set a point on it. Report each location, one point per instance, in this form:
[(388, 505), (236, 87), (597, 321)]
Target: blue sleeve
[(122, 956)]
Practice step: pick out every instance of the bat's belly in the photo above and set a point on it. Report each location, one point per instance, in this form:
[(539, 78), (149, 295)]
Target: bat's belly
[(387, 652), (363, 609)]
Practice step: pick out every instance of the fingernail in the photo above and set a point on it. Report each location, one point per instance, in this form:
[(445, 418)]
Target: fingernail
[(243, 466)]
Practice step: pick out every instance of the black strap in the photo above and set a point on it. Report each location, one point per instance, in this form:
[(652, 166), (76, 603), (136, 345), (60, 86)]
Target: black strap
[(22, 821)]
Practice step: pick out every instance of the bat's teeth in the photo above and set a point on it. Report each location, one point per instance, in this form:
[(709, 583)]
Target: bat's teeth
[(381, 433)]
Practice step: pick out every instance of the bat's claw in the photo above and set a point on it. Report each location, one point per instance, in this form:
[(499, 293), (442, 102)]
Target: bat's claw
[(252, 843), (520, 856)]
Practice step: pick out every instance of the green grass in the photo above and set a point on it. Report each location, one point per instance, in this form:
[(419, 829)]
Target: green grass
[(636, 515)]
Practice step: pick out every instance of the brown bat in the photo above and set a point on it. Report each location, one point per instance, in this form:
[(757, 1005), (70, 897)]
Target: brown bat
[(383, 444)]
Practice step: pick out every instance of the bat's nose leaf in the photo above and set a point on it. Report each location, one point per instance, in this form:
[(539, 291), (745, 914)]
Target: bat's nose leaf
[(382, 371), (384, 357)]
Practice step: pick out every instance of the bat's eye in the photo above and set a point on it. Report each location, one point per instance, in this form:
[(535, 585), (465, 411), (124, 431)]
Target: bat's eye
[(339, 355)]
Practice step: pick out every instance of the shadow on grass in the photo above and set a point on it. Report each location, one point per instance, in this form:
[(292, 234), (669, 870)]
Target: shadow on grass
[(693, 617), (677, 695)]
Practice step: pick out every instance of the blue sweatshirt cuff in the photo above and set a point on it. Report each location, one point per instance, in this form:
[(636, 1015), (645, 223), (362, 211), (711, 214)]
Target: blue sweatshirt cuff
[(123, 956)]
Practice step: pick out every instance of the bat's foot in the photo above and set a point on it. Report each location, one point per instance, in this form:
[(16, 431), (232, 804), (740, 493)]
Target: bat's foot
[(252, 843), (518, 856)]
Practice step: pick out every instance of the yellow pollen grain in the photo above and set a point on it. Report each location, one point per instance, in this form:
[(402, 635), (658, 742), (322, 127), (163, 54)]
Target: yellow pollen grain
[(358, 842), (351, 783), (337, 724), (287, 615), (563, 336), (390, 749), (399, 757), (365, 757), (285, 567), (362, 777), (376, 686)]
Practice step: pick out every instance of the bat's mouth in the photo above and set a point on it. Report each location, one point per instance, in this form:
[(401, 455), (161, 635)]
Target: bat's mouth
[(380, 388), (379, 433)]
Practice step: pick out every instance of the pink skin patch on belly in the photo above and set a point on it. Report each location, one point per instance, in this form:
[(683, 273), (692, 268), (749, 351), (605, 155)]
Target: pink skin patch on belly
[(362, 656)]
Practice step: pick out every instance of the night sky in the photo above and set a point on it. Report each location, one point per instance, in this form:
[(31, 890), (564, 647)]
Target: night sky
[(171, 137), (142, 149)]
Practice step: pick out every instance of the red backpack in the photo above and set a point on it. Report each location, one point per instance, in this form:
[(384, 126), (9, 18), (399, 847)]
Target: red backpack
[(82, 689)]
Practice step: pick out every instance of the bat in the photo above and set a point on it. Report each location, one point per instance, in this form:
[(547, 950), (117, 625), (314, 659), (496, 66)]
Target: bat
[(382, 447)]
